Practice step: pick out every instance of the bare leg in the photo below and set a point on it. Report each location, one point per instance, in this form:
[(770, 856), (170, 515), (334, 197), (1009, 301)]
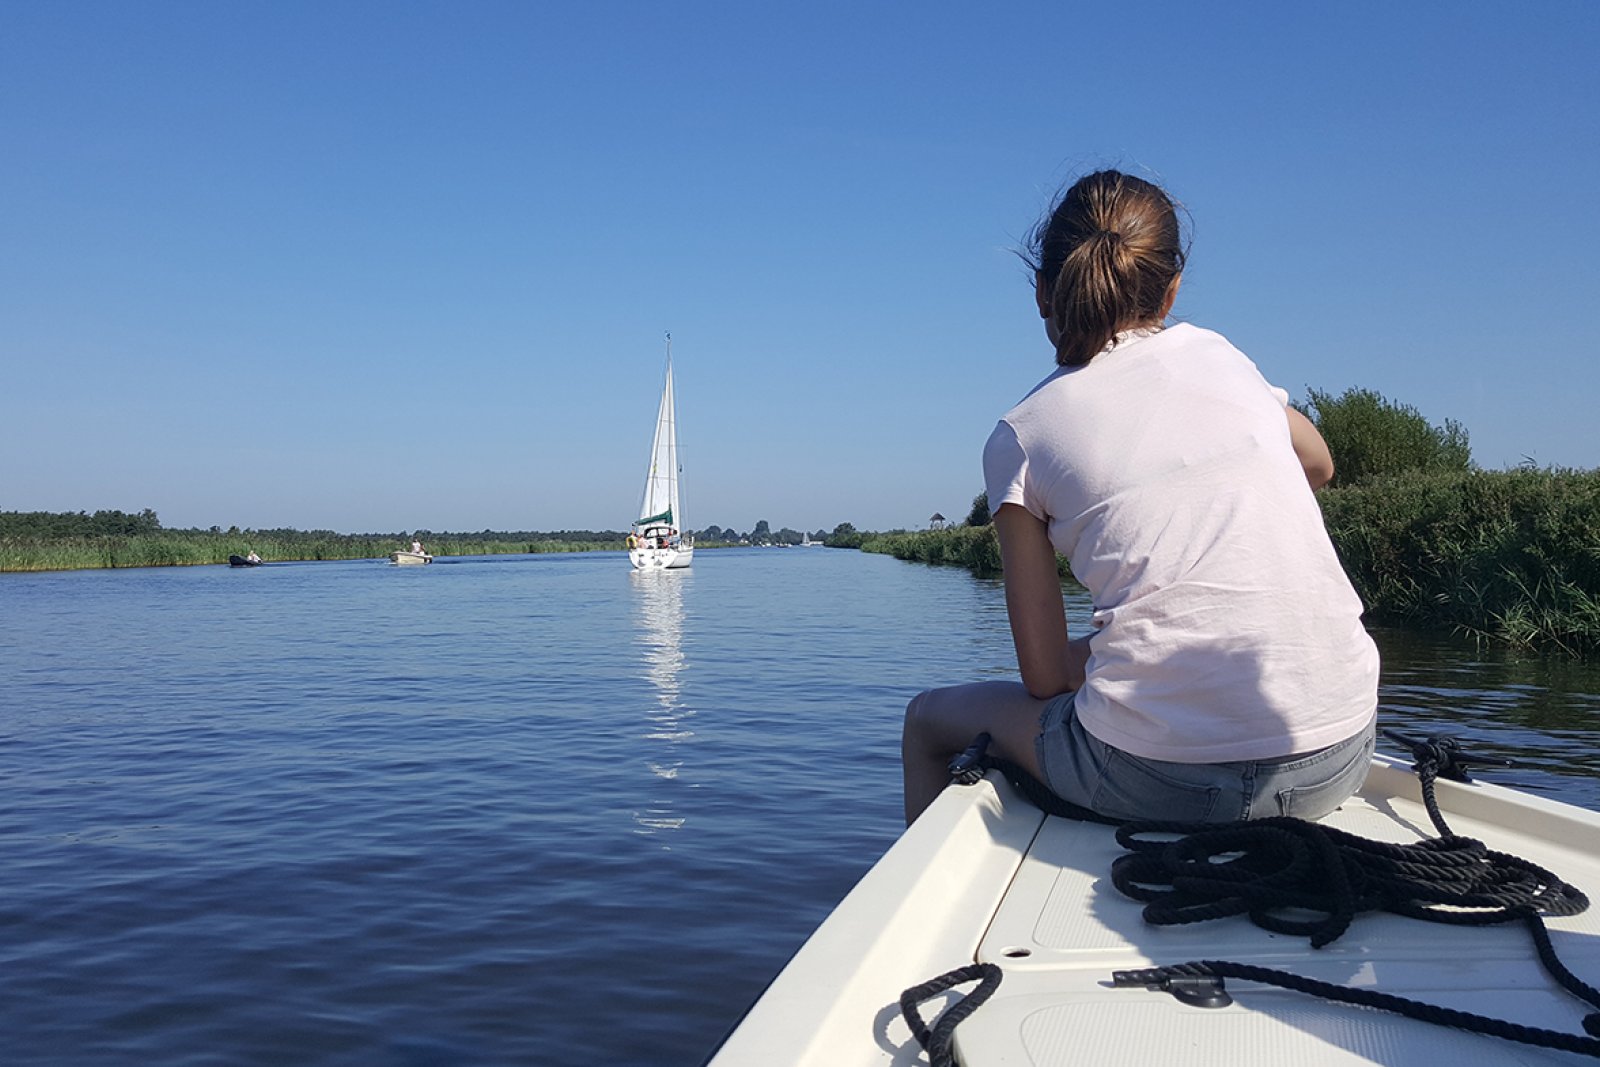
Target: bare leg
[(942, 722)]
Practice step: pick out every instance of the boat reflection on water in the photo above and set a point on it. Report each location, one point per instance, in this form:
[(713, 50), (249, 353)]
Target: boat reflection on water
[(660, 598)]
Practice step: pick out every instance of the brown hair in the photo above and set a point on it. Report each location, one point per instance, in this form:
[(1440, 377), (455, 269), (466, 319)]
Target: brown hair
[(1108, 253)]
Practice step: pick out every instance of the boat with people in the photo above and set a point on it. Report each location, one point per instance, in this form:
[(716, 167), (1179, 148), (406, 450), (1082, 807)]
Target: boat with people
[(416, 556), (252, 560), (657, 540), (993, 933)]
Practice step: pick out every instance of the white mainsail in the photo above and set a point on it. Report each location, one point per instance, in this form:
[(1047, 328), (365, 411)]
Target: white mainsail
[(660, 500), (657, 539)]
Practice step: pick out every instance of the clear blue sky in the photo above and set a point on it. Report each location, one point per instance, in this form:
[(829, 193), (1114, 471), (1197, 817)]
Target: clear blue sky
[(380, 266)]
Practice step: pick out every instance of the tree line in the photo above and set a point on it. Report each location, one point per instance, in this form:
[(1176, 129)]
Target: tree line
[(761, 533), (50, 524), (44, 540)]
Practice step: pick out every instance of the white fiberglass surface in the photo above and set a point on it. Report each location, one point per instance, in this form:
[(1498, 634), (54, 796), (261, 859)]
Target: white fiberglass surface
[(1064, 927)]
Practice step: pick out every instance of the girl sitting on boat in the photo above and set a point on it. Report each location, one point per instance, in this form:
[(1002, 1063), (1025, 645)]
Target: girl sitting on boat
[(1226, 674)]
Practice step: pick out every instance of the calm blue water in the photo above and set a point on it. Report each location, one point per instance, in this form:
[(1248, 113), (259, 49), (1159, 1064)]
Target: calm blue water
[(507, 810)]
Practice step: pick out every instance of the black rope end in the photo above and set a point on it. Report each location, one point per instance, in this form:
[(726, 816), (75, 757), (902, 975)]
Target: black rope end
[(969, 767), (1188, 984)]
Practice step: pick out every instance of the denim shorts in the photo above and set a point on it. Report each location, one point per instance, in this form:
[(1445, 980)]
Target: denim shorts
[(1084, 770)]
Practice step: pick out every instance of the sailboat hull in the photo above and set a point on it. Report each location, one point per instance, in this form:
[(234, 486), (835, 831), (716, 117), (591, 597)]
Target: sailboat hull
[(651, 559)]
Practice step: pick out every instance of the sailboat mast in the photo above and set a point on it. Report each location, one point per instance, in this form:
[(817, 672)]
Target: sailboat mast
[(671, 406)]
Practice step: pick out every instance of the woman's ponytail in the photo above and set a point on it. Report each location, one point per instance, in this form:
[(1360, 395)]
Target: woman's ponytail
[(1107, 256)]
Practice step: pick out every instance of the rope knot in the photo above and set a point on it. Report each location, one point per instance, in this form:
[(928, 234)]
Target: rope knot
[(1441, 756)]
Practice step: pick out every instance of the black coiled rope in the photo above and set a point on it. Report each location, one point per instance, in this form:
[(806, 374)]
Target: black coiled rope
[(1276, 870), (1267, 868)]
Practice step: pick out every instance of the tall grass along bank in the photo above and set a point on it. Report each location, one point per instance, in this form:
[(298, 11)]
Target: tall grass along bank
[(171, 548), (1507, 556), (973, 547)]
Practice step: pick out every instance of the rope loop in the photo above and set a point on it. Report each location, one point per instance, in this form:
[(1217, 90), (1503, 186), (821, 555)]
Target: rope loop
[(939, 1041)]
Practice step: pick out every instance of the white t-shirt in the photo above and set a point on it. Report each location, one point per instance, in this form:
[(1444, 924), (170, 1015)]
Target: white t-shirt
[(1227, 629)]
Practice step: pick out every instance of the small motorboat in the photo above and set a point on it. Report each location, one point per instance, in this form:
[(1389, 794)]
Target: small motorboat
[(986, 903), (242, 561), (405, 558)]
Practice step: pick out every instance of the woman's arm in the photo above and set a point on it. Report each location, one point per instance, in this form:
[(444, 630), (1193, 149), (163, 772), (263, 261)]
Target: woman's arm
[(1050, 663), (1311, 449)]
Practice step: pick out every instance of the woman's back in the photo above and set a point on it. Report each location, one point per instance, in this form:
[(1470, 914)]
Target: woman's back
[(1164, 472)]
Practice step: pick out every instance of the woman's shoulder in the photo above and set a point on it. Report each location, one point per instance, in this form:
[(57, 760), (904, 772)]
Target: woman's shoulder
[(1203, 351), (1188, 334)]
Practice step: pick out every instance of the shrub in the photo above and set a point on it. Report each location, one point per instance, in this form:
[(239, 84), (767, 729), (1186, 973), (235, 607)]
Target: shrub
[(974, 547), (1371, 437)]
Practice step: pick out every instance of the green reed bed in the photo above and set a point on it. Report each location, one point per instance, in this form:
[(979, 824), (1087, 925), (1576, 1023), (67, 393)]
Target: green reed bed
[(172, 548), (76, 553), (973, 547), (177, 548), (67, 554), (1506, 556)]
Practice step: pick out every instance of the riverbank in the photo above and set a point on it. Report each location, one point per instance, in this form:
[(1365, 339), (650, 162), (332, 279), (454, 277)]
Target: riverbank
[(179, 548), (1507, 557)]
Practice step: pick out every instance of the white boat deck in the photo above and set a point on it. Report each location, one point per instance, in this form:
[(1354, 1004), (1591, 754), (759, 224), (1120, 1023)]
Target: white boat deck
[(983, 876)]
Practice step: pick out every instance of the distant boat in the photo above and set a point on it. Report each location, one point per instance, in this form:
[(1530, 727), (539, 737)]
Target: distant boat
[(409, 559), (241, 561), (657, 540)]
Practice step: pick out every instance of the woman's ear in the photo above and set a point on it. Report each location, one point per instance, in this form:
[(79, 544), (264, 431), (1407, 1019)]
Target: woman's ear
[(1172, 298), (1041, 295)]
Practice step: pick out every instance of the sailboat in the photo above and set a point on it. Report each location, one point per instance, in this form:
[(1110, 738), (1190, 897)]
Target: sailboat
[(657, 540)]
